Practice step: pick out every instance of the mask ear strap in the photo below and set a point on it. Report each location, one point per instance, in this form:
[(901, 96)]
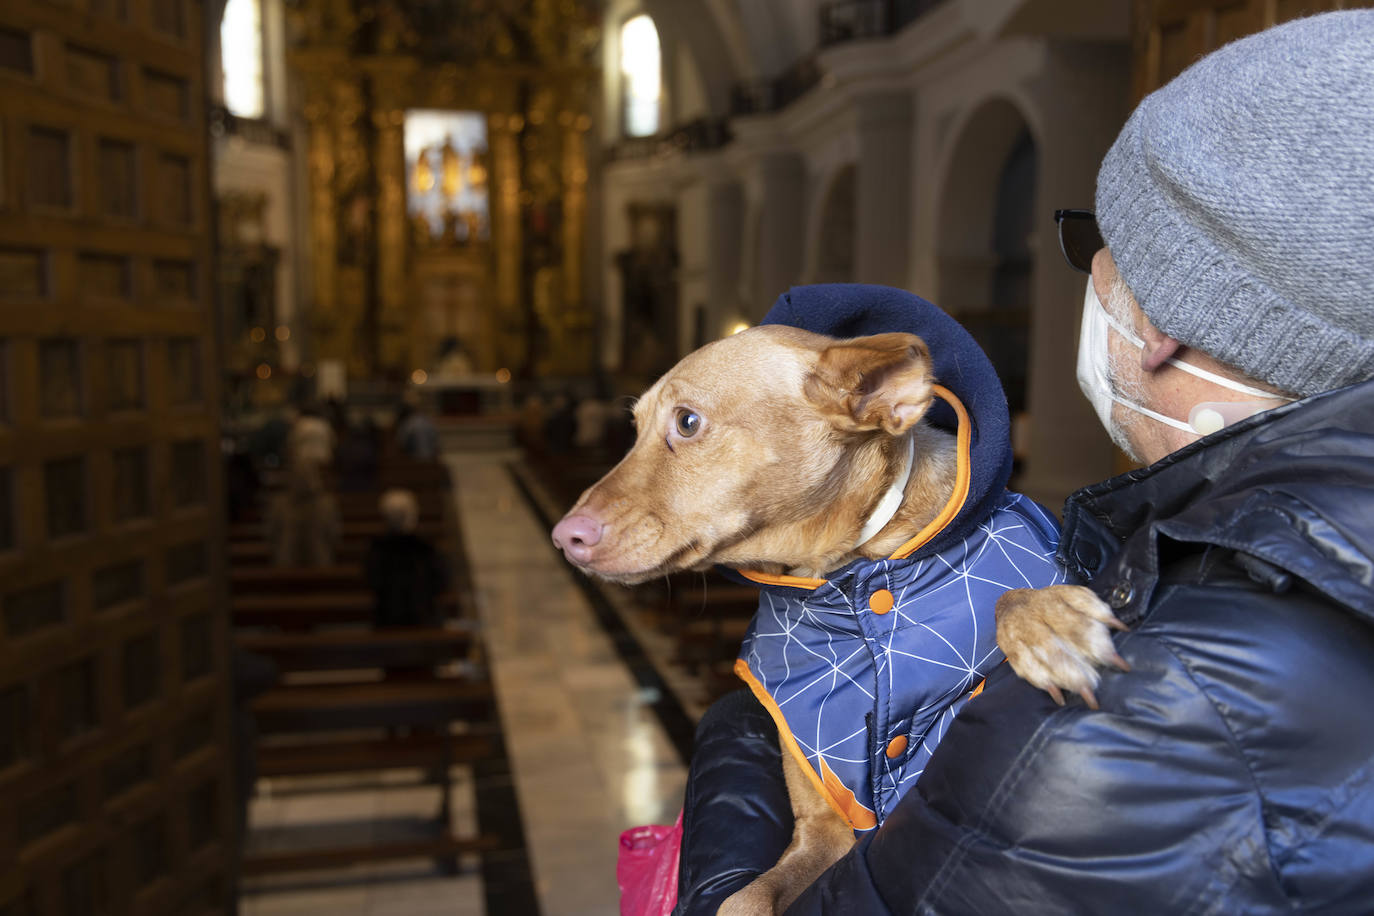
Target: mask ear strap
[(1198, 371)]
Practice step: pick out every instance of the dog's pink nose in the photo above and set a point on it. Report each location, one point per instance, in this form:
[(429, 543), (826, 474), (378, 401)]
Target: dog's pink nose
[(576, 535)]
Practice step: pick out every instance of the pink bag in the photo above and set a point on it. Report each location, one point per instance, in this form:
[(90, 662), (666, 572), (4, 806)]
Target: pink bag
[(647, 869)]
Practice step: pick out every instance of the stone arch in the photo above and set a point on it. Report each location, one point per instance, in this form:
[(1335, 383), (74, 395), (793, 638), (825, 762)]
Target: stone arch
[(704, 39), (985, 263)]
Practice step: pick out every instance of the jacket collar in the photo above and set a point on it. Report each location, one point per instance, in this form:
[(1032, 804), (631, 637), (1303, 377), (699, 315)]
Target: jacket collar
[(1292, 487)]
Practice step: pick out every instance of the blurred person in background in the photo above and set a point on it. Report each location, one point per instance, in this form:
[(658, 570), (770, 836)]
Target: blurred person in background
[(404, 570)]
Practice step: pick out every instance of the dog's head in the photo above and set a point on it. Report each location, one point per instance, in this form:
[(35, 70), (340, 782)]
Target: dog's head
[(742, 449)]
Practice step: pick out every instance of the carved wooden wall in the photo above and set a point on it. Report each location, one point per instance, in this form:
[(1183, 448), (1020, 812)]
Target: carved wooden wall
[(1171, 34), (115, 774)]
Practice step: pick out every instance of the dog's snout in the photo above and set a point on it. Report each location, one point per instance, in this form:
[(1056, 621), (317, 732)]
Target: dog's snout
[(576, 535)]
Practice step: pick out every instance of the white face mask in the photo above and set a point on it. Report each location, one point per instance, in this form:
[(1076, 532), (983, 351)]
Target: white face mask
[(1094, 378)]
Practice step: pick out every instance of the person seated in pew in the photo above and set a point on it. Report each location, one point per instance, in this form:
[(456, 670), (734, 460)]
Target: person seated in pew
[(303, 518), (312, 439), (416, 435), (358, 458), (404, 571)]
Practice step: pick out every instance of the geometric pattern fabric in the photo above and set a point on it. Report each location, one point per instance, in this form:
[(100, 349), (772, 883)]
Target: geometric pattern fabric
[(865, 673)]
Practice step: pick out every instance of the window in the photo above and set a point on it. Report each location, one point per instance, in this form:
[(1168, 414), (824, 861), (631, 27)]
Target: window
[(240, 34), (640, 66), (446, 184)]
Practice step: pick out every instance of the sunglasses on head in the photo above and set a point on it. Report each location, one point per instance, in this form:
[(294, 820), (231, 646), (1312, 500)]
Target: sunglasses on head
[(1079, 238)]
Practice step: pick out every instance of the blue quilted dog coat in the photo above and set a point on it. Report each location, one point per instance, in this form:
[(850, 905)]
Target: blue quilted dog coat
[(863, 671)]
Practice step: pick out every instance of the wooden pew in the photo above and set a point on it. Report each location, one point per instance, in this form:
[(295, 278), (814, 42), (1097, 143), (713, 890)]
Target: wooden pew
[(418, 751), (434, 710), (433, 702), (363, 506), (329, 650), (337, 712), (296, 579), (244, 554), (361, 530), (312, 611)]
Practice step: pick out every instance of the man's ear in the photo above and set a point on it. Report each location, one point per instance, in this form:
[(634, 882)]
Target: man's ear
[(1158, 346), (868, 383)]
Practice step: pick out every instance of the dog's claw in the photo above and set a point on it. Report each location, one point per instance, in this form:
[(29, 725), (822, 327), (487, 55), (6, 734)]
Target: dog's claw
[(1058, 638)]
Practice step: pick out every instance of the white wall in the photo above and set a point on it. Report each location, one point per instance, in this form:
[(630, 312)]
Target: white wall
[(252, 168), (897, 110), (240, 166)]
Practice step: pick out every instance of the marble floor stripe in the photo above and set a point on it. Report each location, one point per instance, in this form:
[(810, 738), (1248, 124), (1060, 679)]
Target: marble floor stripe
[(589, 756)]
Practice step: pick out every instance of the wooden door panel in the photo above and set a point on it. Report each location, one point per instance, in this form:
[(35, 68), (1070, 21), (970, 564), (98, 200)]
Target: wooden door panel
[(115, 774)]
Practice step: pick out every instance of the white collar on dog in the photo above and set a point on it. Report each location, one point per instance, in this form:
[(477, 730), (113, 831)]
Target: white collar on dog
[(892, 499)]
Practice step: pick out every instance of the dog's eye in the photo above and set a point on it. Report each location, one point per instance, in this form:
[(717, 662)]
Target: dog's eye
[(688, 423)]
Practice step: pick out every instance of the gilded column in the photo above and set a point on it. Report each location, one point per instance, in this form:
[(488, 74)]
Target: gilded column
[(574, 205), (355, 245), (323, 220), (578, 321), (506, 227), (388, 118)]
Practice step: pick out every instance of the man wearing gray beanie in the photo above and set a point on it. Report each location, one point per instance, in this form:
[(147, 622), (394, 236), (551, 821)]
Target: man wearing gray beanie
[(1227, 343)]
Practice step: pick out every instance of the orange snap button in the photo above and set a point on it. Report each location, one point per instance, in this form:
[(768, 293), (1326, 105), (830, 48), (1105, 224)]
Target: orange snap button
[(881, 601), (895, 747)]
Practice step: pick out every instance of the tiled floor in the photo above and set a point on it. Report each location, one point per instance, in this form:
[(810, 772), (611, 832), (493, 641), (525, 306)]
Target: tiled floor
[(589, 759)]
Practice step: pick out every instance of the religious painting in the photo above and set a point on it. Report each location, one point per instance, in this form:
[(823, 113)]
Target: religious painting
[(446, 177)]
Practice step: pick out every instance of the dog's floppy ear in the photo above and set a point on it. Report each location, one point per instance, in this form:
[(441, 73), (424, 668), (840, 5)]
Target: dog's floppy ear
[(868, 383)]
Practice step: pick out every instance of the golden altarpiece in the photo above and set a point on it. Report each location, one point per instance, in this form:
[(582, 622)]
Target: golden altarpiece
[(448, 174)]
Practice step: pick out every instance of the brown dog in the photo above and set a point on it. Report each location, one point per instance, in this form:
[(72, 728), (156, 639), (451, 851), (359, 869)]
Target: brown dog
[(770, 451)]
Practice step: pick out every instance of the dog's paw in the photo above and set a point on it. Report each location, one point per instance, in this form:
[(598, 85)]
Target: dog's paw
[(758, 898), (1056, 638)]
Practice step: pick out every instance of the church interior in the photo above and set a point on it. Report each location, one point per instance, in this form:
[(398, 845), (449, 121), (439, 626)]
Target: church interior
[(316, 315)]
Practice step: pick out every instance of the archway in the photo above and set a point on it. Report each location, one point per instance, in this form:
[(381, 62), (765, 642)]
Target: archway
[(985, 222)]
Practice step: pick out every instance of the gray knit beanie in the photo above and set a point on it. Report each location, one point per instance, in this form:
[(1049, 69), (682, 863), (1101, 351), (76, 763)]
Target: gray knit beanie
[(1238, 203)]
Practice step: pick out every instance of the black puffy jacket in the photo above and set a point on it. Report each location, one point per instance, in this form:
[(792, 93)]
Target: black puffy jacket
[(1231, 771)]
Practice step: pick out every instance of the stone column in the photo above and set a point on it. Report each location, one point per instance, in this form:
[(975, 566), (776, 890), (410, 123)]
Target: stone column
[(578, 321), (1081, 100), (883, 189), (782, 228), (724, 251)]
